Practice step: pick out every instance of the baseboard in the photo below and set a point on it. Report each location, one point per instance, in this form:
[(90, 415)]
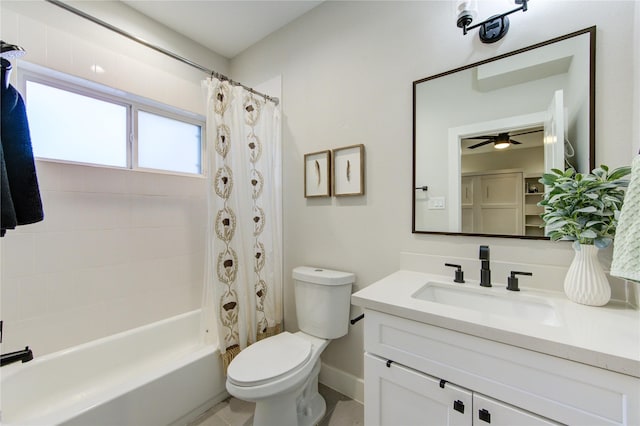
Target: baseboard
[(345, 383)]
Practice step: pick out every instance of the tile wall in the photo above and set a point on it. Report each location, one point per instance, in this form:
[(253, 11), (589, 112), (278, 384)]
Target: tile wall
[(117, 249)]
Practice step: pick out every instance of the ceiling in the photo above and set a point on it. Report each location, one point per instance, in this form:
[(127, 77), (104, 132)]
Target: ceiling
[(225, 26)]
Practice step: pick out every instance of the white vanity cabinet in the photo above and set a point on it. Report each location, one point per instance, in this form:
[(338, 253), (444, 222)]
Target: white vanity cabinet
[(420, 374), (398, 395)]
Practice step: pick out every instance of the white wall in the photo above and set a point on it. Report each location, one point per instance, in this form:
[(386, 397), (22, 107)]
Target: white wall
[(117, 248), (347, 71), (529, 160)]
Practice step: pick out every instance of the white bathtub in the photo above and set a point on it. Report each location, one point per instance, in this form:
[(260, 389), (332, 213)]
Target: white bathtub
[(158, 374)]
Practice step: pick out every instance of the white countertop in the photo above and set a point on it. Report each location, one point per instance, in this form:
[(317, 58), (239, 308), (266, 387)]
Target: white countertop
[(607, 337)]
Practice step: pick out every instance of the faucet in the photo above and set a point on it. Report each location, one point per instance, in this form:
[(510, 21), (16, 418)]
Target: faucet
[(24, 355), (485, 272)]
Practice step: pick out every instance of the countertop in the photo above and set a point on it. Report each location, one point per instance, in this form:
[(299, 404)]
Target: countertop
[(607, 337)]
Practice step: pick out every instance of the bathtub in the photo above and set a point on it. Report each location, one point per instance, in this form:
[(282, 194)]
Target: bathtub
[(157, 374)]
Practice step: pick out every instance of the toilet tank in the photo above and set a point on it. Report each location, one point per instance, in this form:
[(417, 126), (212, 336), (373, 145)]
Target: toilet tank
[(323, 298)]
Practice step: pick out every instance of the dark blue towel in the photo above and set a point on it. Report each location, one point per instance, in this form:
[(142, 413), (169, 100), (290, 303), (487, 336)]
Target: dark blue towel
[(21, 203)]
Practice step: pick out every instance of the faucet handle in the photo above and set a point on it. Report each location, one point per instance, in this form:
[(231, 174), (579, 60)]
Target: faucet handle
[(459, 273), (512, 281)]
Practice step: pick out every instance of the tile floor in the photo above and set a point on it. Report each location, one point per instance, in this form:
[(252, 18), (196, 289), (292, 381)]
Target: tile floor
[(341, 411)]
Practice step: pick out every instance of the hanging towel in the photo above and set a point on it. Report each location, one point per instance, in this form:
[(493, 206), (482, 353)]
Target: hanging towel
[(626, 245), (20, 198)]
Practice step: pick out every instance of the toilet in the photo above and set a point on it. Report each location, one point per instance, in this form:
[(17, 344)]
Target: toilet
[(280, 373)]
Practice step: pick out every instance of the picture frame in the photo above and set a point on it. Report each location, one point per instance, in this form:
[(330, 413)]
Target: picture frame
[(317, 174), (348, 170)]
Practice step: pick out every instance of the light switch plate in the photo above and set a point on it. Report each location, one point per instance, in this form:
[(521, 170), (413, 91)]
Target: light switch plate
[(436, 203)]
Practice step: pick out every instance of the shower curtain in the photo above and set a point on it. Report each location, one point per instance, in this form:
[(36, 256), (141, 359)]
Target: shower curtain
[(242, 295)]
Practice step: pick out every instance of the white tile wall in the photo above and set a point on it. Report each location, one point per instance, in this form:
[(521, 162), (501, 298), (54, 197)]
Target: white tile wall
[(64, 42), (117, 248)]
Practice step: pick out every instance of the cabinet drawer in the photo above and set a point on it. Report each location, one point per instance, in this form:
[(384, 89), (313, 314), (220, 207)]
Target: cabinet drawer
[(556, 388), (488, 411)]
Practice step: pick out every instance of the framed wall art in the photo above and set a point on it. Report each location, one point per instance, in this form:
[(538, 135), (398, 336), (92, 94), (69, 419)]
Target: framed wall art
[(317, 174), (348, 170)]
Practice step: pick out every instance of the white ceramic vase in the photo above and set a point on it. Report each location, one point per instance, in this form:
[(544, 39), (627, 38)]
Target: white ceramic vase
[(586, 282)]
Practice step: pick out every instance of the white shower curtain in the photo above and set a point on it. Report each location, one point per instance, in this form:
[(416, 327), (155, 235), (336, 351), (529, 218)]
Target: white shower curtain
[(242, 296)]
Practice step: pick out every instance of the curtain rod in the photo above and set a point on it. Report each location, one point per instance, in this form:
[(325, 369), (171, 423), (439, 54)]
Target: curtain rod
[(143, 42)]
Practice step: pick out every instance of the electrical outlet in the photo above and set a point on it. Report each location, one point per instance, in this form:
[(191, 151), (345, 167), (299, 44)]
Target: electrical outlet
[(436, 203)]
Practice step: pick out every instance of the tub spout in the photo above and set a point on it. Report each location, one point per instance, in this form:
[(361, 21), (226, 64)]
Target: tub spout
[(24, 355)]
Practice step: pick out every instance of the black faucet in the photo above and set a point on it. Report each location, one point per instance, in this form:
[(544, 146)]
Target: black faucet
[(24, 355), (485, 272)]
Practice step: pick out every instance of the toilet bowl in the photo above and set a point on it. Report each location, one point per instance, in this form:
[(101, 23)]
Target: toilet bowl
[(274, 372), (280, 373)]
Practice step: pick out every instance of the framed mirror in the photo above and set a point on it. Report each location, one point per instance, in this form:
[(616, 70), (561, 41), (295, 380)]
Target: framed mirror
[(484, 134)]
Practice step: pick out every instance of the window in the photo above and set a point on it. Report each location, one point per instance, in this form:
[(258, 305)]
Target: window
[(73, 122), (168, 144), (73, 127)]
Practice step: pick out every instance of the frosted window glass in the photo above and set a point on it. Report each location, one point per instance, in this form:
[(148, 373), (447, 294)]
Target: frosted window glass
[(168, 144), (73, 127)]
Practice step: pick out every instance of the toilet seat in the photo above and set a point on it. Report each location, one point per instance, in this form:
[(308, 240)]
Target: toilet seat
[(269, 359)]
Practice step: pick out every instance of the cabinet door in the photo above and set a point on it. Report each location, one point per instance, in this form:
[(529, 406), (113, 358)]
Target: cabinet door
[(501, 204), (501, 189), (466, 198), (489, 411), (466, 193), (397, 395), (492, 203)]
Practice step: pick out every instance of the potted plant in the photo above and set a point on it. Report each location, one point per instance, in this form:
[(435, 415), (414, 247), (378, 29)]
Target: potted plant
[(584, 208)]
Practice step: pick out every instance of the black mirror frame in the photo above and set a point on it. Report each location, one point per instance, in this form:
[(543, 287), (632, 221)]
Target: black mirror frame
[(592, 121)]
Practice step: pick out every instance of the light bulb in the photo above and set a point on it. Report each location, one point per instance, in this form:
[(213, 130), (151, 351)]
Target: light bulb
[(466, 12)]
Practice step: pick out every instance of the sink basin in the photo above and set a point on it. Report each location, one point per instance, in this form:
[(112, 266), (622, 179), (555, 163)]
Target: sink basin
[(516, 306)]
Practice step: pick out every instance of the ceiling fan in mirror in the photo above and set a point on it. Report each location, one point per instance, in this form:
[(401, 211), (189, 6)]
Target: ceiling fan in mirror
[(501, 140)]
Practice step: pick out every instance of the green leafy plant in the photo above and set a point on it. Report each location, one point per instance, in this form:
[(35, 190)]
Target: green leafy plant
[(583, 207)]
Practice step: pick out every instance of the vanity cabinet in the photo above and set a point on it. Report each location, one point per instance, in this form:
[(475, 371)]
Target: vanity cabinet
[(398, 395), (417, 373)]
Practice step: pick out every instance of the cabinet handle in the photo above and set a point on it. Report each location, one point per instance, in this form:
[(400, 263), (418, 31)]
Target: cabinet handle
[(484, 415), (458, 406)]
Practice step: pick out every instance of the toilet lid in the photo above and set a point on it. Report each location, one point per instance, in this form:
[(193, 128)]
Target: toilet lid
[(269, 359)]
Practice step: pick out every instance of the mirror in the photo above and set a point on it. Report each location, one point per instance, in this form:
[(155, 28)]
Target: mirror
[(537, 102)]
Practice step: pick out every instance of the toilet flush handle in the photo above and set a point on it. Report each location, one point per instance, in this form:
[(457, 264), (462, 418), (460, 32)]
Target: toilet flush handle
[(356, 319)]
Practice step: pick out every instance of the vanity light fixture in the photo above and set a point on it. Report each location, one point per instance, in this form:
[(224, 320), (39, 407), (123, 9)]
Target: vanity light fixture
[(493, 28)]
